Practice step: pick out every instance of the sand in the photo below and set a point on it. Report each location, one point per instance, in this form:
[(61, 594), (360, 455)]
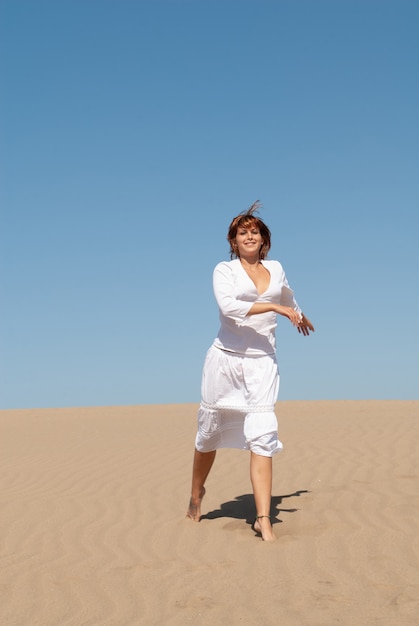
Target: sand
[(93, 527)]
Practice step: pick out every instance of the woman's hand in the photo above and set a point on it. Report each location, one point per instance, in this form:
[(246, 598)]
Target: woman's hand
[(304, 326), (299, 320)]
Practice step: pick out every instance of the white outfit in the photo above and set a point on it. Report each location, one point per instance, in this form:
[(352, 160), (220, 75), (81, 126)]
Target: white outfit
[(240, 380)]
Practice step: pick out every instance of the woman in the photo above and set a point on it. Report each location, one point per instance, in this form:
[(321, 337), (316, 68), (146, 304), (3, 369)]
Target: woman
[(240, 380)]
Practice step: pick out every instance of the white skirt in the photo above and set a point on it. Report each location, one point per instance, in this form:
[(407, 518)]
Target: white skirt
[(238, 395)]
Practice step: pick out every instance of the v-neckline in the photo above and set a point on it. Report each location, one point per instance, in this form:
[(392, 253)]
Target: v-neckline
[(252, 281)]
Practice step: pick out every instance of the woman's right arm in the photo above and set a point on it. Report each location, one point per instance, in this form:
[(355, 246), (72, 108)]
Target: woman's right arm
[(266, 307), (232, 307), (223, 284)]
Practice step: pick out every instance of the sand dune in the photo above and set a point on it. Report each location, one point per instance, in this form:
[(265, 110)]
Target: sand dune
[(92, 524)]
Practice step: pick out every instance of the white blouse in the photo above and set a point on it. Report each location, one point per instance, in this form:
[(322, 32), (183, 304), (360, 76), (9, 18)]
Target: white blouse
[(235, 293)]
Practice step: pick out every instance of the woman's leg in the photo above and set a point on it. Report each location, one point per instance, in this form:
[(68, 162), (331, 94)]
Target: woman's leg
[(202, 464), (261, 477)]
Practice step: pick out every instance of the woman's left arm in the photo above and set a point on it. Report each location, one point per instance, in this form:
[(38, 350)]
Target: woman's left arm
[(287, 299)]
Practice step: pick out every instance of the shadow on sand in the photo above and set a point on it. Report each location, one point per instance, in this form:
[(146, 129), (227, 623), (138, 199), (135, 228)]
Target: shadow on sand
[(243, 507)]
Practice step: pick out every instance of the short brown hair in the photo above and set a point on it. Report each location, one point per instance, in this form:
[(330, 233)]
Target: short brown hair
[(248, 220)]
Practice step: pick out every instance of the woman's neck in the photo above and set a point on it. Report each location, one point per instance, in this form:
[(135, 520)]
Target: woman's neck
[(250, 262)]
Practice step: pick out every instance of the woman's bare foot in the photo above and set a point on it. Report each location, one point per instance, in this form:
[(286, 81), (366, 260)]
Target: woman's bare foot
[(194, 509), (263, 526)]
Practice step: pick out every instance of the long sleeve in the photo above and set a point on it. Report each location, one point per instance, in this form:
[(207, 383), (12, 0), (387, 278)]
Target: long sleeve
[(229, 305), (235, 294), (287, 294)]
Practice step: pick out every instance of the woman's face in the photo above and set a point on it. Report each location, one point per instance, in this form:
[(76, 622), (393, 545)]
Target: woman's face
[(249, 241)]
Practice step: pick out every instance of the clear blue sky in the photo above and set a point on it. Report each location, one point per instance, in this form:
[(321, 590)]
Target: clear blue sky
[(133, 131)]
